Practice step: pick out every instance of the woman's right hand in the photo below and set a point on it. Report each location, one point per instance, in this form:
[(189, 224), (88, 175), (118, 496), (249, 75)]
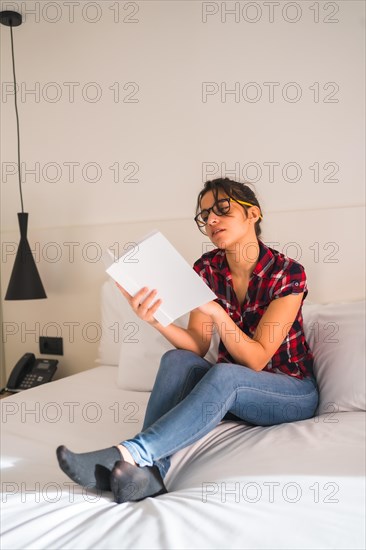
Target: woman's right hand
[(142, 306)]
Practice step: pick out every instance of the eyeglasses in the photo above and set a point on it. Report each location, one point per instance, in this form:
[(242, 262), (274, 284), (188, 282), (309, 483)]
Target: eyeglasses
[(220, 208)]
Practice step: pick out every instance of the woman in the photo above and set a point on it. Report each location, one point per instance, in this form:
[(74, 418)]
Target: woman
[(264, 371)]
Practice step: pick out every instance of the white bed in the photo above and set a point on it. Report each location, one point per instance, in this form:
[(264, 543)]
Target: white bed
[(297, 485)]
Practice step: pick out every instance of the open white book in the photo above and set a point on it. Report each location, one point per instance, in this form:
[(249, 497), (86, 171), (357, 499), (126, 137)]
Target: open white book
[(154, 263)]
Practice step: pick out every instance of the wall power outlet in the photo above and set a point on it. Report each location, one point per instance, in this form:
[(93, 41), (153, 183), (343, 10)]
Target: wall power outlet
[(51, 345)]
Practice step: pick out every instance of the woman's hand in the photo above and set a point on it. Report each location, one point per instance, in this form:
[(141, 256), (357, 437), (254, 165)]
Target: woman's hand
[(142, 306)]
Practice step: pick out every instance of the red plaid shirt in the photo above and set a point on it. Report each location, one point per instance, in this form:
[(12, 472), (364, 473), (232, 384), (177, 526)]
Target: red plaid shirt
[(274, 276)]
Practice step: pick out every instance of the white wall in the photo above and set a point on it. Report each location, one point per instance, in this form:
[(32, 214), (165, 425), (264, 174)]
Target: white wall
[(165, 132)]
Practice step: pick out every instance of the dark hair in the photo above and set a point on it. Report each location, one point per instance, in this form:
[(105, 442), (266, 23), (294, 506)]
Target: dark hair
[(234, 190)]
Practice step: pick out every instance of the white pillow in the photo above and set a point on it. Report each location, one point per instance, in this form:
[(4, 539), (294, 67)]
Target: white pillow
[(112, 302), (336, 336), (141, 349), (129, 343)]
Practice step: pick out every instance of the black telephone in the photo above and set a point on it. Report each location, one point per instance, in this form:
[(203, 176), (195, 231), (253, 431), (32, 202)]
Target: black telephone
[(30, 372)]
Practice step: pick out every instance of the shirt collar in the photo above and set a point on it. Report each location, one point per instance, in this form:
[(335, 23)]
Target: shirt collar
[(265, 261)]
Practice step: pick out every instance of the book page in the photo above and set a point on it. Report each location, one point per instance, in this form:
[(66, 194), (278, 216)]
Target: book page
[(155, 263)]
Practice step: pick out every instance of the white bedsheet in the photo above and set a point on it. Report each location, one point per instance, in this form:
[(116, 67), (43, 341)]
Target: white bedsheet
[(298, 485)]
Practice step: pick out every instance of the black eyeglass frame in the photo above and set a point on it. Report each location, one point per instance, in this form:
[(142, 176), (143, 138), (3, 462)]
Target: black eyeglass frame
[(201, 224)]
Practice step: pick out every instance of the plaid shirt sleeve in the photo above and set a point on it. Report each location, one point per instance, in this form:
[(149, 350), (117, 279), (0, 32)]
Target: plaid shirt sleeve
[(293, 281)]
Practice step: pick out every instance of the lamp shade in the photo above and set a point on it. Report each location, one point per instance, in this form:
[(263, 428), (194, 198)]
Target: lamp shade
[(25, 282)]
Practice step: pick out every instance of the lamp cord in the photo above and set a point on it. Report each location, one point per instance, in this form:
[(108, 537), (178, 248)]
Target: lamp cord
[(17, 117)]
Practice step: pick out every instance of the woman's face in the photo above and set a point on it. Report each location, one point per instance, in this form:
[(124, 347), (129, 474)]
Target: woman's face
[(226, 230)]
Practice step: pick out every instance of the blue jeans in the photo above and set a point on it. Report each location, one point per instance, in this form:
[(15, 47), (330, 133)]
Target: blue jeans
[(191, 396)]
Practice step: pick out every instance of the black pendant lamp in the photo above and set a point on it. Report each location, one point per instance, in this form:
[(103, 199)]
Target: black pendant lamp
[(25, 282)]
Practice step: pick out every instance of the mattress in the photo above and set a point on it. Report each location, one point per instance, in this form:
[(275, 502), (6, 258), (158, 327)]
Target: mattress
[(297, 485)]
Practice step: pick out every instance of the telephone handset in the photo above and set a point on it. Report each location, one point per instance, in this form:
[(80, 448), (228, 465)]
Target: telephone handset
[(30, 372)]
